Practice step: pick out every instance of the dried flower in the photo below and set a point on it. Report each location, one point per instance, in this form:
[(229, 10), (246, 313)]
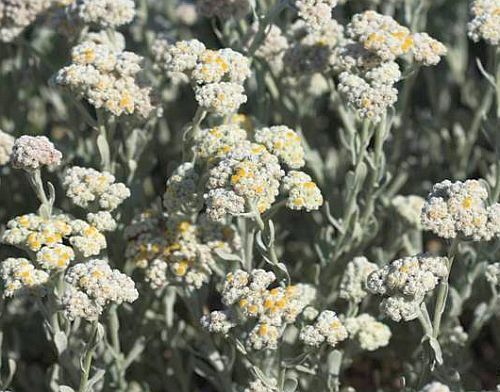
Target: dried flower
[(16, 15), (284, 143), (249, 296), (20, 276), (369, 333), (92, 286), (104, 14), (221, 98), (327, 328), (87, 187), (315, 13), (405, 282), (353, 284), (459, 209), (303, 193), (427, 50), (248, 173), (176, 250), (32, 152), (217, 322), (370, 102), (486, 22), (107, 79)]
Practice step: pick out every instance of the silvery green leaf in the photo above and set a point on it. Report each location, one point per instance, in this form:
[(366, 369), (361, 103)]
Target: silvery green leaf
[(271, 233), (52, 193), (262, 377), (228, 256), (360, 174), (12, 370), (350, 179), (101, 332), (456, 302), (259, 241), (60, 341), (65, 388), (282, 267), (102, 145), (290, 385), (334, 361), (135, 352), (98, 375), (480, 310), (490, 78), (436, 347), (240, 347)]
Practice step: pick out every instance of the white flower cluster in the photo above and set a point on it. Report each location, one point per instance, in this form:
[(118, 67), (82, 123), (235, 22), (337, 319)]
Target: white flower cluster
[(217, 75), (409, 208), (213, 143), (181, 194), (244, 175), (284, 143), (217, 322), (16, 15), (459, 209), (353, 284), (312, 50), (93, 285), (249, 296), (45, 237), (176, 250), (6, 145), (327, 328), (91, 189), (224, 9), (107, 78), (19, 276), (221, 98), (273, 47), (316, 13), (435, 386), (405, 282), (367, 61), (248, 173), (370, 101), (369, 333), (302, 192), (385, 37), (486, 22), (102, 14), (32, 152)]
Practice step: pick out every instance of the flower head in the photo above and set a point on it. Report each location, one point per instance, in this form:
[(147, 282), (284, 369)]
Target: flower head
[(459, 209), (33, 152), (92, 286)]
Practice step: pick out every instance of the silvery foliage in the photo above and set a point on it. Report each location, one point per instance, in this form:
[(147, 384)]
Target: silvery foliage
[(250, 196)]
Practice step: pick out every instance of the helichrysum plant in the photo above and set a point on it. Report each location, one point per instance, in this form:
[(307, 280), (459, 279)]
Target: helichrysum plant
[(249, 195)]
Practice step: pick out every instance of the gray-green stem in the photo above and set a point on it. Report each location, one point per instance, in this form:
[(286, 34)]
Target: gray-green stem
[(35, 180), (87, 362), (443, 291), (103, 143)]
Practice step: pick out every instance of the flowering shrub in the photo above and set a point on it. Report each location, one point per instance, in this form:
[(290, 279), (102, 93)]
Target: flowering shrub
[(249, 195)]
